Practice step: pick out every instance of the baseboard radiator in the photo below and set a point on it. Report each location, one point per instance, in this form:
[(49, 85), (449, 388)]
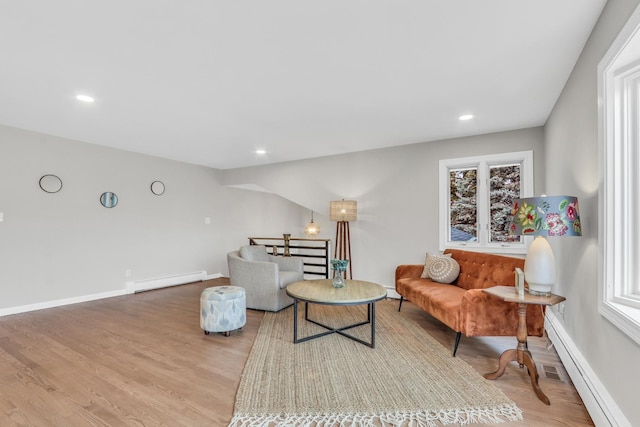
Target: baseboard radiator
[(163, 282), (602, 407)]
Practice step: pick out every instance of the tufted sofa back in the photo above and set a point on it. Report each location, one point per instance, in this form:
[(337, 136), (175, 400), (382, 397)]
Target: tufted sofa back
[(482, 270)]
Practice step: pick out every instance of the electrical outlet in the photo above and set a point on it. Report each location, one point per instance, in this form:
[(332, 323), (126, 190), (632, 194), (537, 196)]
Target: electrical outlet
[(127, 272), (1, 216), (561, 309), (207, 220)]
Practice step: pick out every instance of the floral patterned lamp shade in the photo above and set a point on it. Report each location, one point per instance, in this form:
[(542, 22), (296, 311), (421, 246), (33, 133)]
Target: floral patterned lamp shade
[(546, 216), (541, 217)]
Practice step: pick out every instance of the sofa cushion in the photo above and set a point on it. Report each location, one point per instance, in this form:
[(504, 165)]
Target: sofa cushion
[(428, 260), (440, 300), (444, 270), (254, 253)]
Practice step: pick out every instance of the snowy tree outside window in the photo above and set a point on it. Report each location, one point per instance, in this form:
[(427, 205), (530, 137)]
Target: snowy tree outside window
[(504, 188)]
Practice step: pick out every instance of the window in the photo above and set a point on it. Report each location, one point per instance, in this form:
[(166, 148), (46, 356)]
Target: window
[(476, 196), (619, 139)]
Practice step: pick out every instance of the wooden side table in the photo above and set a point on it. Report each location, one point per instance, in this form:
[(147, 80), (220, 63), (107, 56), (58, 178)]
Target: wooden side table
[(521, 353)]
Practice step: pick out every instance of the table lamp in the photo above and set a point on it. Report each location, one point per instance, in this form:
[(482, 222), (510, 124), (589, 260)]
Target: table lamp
[(541, 217)]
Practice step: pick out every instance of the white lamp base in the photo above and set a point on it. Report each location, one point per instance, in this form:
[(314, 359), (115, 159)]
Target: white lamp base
[(540, 267)]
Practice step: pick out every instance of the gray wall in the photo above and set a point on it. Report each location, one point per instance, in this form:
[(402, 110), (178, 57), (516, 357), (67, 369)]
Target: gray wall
[(571, 135), (66, 245), (396, 190)]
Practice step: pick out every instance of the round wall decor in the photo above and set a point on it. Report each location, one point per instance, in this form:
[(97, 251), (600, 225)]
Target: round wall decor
[(109, 199), (50, 183), (157, 188)]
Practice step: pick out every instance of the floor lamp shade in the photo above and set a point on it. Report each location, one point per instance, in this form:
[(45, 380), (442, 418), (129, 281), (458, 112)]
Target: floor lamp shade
[(541, 217), (343, 210)]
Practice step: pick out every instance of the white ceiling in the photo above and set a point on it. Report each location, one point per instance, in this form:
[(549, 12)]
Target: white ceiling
[(210, 81)]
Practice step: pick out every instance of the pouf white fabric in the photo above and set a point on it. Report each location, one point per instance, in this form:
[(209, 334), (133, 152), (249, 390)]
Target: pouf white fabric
[(222, 309)]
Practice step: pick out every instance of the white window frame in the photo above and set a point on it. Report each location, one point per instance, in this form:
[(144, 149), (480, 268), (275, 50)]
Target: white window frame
[(619, 201), (483, 163)]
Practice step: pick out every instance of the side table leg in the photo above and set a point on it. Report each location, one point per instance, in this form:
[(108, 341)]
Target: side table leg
[(505, 358), (533, 373)]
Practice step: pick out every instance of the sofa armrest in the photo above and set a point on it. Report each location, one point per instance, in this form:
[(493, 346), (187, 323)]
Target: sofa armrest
[(484, 315), (409, 271)]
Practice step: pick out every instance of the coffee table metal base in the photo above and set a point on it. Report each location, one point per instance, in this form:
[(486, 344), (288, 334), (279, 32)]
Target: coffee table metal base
[(371, 319)]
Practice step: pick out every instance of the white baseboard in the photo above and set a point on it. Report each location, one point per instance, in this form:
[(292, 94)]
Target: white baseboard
[(130, 287), (391, 293), (60, 302), (602, 408), (163, 282)]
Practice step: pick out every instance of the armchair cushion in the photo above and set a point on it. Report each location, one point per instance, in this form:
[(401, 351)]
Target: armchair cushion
[(288, 277), (254, 253)]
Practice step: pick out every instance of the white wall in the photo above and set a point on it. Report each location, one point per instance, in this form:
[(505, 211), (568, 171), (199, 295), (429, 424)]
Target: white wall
[(66, 245), (396, 190), (571, 136)]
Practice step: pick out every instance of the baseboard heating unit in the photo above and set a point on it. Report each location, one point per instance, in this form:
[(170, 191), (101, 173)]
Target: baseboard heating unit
[(163, 282)]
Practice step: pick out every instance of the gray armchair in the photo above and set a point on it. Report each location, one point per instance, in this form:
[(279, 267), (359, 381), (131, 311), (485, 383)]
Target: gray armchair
[(264, 277)]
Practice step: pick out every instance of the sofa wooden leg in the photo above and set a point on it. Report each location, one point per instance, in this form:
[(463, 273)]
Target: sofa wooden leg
[(455, 347), (401, 299)]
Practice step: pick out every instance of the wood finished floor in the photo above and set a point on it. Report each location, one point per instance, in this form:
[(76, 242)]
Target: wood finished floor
[(142, 360)]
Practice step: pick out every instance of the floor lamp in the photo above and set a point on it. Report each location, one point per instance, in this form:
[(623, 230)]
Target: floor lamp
[(343, 211)]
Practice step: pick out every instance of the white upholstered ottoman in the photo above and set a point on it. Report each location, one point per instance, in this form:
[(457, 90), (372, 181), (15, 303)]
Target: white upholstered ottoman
[(222, 309)]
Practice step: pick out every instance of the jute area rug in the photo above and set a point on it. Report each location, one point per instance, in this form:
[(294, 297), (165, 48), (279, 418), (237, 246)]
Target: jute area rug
[(408, 379)]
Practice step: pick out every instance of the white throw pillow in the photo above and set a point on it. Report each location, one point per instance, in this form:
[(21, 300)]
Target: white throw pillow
[(428, 261), (444, 270)]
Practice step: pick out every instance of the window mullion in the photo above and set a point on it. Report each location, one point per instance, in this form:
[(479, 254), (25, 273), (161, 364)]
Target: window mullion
[(483, 203)]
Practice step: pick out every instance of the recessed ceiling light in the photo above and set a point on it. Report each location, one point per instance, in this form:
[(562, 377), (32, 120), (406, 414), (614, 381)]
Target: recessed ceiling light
[(261, 151), (85, 98), (466, 117)]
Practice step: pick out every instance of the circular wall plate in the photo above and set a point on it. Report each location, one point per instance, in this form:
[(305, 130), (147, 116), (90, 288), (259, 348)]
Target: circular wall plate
[(109, 199), (50, 183), (157, 188)]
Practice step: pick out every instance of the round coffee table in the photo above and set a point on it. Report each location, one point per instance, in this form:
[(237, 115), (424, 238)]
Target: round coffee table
[(354, 292)]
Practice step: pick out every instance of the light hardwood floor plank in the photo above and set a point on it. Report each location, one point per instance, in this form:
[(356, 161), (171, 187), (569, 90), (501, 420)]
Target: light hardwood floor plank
[(142, 360)]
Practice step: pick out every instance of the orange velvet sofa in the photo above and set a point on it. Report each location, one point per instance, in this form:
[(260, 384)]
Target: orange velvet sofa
[(462, 305)]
